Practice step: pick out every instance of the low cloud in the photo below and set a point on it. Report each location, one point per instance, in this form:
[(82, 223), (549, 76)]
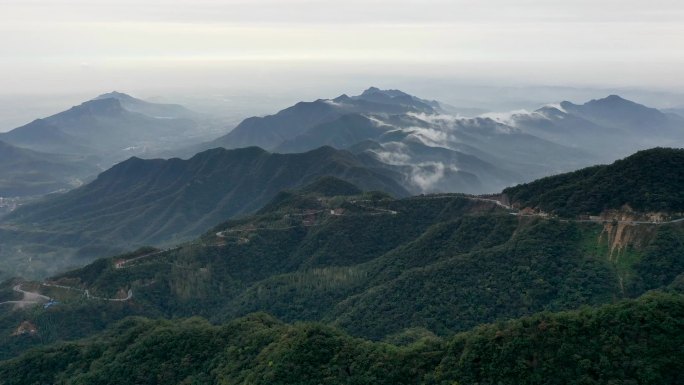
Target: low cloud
[(507, 118), (426, 175), (431, 136), (393, 153), (423, 175)]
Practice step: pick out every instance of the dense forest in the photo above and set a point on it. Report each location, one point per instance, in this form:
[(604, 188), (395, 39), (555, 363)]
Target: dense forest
[(376, 267), (650, 180), (632, 342), (330, 284)]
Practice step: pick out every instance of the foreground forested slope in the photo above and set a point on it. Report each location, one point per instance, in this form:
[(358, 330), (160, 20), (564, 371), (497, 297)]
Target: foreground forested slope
[(632, 342)]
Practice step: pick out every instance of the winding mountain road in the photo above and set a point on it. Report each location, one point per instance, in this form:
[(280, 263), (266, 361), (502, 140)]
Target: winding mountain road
[(122, 264), (29, 298), (86, 292), (472, 198), (600, 220)]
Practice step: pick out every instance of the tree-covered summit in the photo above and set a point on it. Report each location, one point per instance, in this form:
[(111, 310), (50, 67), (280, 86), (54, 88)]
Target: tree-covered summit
[(649, 180)]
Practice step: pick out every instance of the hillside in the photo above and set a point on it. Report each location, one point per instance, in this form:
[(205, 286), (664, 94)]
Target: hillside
[(141, 202), (631, 342), (648, 181), (374, 266), (363, 262), (24, 172)]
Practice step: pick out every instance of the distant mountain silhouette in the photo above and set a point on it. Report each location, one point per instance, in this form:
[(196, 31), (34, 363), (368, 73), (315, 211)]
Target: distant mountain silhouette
[(397, 97), (614, 111), (112, 127), (270, 131), (157, 110), (400, 123), (607, 128)]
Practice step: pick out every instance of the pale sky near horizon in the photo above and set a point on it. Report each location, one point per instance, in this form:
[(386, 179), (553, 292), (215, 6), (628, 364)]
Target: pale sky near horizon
[(100, 45)]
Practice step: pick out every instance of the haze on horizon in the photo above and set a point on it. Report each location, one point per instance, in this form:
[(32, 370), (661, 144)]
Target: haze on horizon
[(303, 48)]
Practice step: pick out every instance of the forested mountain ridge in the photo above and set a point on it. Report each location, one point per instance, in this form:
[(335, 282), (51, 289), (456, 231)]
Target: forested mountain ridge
[(375, 266), (648, 181), (442, 280), (166, 201)]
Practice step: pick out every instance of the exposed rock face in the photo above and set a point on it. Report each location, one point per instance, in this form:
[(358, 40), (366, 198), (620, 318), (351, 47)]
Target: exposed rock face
[(621, 235), (26, 328)]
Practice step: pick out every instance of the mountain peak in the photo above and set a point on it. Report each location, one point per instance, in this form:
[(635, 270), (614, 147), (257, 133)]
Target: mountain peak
[(324, 150), (370, 90), (95, 106), (611, 100), (616, 111), (157, 110), (101, 105), (614, 97), (115, 95), (342, 98), (397, 97)]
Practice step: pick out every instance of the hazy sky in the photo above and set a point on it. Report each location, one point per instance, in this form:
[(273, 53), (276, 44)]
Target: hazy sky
[(98, 45)]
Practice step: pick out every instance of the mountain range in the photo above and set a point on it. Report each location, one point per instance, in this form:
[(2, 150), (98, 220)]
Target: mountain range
[(384, 139), (411, 142), (141, 202), (364, 261), (270, 131), (385, 280), (439, 152), (417, 139), (608, 128)]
